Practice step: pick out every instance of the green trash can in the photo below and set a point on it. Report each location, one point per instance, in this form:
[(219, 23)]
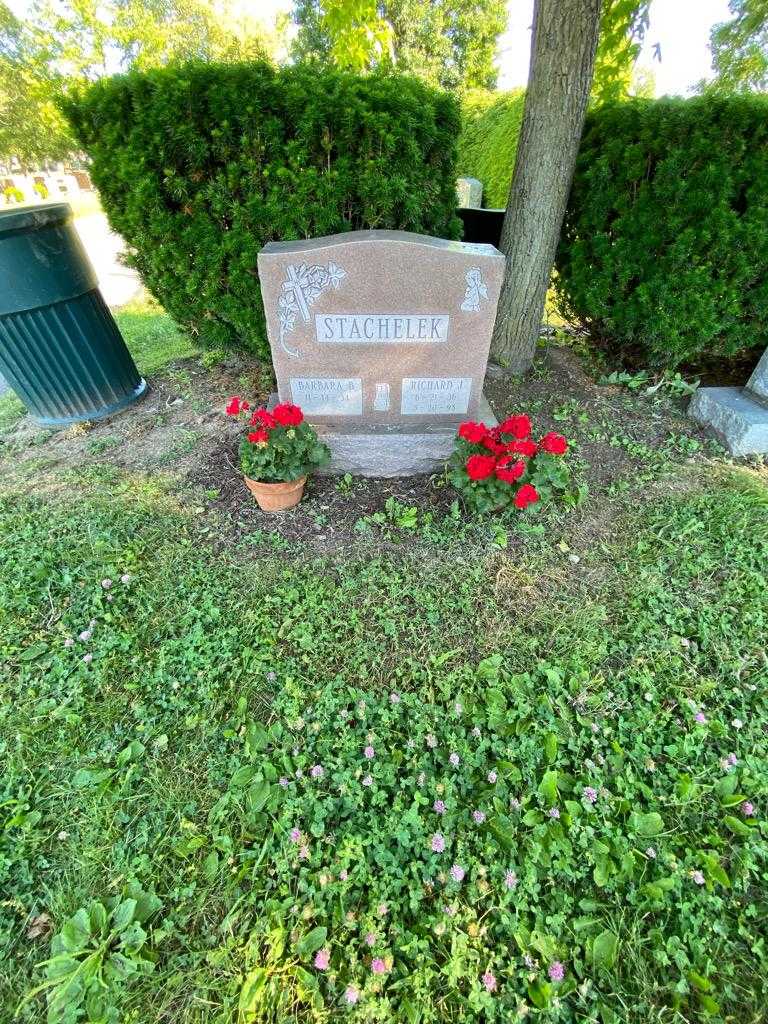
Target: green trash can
[(60, 349)]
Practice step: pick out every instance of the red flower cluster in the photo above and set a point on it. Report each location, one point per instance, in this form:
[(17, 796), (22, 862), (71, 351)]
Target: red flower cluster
[(283, 415), (236, 405), (509, 446)]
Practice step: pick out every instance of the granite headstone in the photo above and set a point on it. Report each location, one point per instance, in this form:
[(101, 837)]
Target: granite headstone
[(738, 416), (469, 192), (382, 338)]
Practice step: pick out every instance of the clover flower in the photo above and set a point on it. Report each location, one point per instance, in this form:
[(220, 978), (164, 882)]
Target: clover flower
[(86, 635), (510, 880), (700, 717), (378, 966), (369, 752), (489, 982), (343, 875), (87, 658), (556, 971), (438, 842), (492, 776), (554, 813), (394, 698), (454, 759), (106, 584), (698, 877), (367, 780), (316, 771), (458, 708), (438, 807), (458, 873), (476, 732), (650, 852), (295, 835), (479, 817), (382, 910), (420, 779), (590, 794), (125, 578), (737, 723), (370, 939), (304, 853), (431, 741), (351, 995), (747, 809), (322, 959), (69, 642)]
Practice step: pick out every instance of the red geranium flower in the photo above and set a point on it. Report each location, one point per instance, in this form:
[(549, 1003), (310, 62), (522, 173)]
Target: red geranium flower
[(256, 436), (480, 466), (492, 446), (554, 444), (473, 432), (526, 496), (527, 448), (288, 415), (236, 405), (266, 419), (509, 474), (517, 426)]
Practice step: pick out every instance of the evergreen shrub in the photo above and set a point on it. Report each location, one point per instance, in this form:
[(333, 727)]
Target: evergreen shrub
[(664, 248), (490, 130), (199, 165)]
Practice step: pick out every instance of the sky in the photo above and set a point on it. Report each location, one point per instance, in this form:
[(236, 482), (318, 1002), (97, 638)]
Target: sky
[(681, 27)]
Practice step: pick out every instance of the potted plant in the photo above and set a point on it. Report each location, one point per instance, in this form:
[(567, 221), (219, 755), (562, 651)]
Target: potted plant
[(277, 453), (497, 467)]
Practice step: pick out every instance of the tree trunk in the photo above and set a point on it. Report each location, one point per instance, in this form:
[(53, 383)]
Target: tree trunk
[(563, 46)]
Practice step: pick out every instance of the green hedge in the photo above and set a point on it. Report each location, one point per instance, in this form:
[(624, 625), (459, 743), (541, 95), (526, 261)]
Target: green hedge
[(665, 242), (491, 124), (199, 165)]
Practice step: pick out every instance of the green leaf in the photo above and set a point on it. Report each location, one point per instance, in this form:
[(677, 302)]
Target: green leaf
[(311, 942), (647, 825), (539, 993), (605, 949), (548, 787), (243, 776), (123, 914), (737, 826), (550, 747)]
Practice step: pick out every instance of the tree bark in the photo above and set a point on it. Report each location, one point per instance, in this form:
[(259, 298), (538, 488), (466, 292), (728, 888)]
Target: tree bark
[(565, 34)]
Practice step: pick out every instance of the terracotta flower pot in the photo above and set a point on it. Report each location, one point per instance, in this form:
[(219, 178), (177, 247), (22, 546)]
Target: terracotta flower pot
[(276, 497)]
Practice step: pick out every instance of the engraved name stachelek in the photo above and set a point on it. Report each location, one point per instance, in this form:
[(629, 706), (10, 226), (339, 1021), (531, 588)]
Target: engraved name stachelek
[(378, 328)]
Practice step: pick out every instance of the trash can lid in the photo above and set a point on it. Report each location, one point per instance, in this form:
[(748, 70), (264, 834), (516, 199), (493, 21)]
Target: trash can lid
[(32, 218)]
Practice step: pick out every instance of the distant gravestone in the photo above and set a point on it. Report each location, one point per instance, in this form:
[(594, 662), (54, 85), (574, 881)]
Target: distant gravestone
[(382, 338), (469, 192), (738, 416)]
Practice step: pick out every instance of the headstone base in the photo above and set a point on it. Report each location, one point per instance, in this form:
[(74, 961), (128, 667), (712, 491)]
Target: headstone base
[(391, 453), (739, 421)]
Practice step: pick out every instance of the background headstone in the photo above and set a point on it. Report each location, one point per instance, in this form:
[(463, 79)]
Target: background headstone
[(738, 416), (382, 338), (469, 192)]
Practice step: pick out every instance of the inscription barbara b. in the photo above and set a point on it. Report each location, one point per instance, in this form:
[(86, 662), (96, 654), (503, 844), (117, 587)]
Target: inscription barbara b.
[(328, 396), (374, 328)]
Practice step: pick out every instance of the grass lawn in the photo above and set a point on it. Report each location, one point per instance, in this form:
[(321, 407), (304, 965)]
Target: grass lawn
[(416, 775)]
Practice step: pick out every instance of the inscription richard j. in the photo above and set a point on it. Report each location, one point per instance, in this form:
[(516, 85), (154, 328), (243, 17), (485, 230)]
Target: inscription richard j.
[(435, 395), (377, 328)]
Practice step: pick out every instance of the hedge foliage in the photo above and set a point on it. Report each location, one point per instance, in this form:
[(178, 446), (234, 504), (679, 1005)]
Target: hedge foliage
[(665, 241), (491, 124), (199, 165)]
